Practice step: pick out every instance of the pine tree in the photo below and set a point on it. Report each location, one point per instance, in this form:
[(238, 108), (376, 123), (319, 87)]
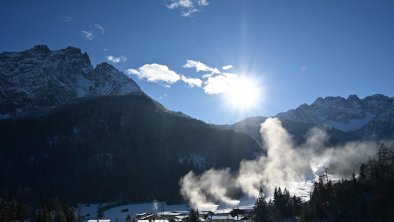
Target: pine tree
[(42, 215), (193, 216), (69, 214), (362, 172), (261, 211), (296, 205), (60, 217), (128, 218)]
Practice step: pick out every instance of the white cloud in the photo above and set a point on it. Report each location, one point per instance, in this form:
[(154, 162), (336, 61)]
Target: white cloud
[(192, 81), (94, 31), (187, 7), (162, 96), (67, 18), (115, 59), (189, 12), (207, 75), (100, 28), (228, 67), (220, 83), (200, 67), (180, 4), (155, 73), (203, 2), (89, 35), (213, 81)]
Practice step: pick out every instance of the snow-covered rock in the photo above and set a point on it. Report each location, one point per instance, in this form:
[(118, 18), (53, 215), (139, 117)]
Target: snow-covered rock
[(40, 78), (198, 162), (347, 115)]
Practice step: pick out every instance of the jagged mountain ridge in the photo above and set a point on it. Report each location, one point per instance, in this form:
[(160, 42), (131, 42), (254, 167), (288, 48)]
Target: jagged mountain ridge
[(347, 115), (344, 118), (39, 78)]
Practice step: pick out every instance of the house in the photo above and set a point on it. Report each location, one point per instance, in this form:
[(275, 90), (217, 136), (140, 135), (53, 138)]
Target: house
[(153, 217), (222, 217), (165, 217), (242, 214), (186, 219), (234, 215)]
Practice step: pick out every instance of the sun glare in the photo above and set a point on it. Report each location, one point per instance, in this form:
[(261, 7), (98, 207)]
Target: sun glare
[(243, 94)]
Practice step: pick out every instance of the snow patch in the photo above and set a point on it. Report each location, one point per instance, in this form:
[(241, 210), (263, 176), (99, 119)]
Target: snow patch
[(352, 125), (88, 211), (45, 77), (199, 162), (83, 85)]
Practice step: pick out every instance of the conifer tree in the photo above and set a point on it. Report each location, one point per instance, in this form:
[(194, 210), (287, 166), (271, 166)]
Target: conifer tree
[(193, 215), (261, 211), (128, 218)]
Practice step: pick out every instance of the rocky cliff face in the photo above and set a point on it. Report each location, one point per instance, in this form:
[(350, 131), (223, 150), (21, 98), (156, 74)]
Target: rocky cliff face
[(40, 78), (345, 114), (345, 119)]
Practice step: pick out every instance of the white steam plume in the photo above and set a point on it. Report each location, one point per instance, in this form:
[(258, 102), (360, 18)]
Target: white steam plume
[(212, 184), (286, 164)]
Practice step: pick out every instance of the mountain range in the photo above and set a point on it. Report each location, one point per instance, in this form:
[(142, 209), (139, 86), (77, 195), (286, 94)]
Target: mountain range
[(90, 134), (39, 78), (345, 119)]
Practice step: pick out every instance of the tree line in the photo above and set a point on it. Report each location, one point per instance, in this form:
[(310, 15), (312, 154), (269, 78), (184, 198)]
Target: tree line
[(367, 197)]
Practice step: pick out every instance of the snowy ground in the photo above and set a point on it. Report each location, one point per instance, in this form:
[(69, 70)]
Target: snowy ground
[(90, 211)]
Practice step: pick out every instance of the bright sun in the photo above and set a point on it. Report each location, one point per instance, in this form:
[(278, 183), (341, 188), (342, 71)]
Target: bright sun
[(243, 94)]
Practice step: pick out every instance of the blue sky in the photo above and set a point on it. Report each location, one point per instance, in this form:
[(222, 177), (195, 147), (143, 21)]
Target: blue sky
[(293, 51)]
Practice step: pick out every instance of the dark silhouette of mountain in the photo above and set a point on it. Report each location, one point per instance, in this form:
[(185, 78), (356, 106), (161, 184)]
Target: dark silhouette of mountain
[(113, 147)]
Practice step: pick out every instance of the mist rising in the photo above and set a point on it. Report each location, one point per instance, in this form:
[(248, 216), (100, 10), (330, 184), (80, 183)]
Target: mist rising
[(286, 164)]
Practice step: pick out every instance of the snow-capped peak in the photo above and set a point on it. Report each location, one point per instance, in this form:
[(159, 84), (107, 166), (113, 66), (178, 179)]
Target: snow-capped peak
[(347, 114), (40, 78)]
